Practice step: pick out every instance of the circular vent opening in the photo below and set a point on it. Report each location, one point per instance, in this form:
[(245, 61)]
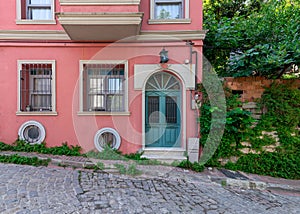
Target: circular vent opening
[(107, 137), (32, 132)]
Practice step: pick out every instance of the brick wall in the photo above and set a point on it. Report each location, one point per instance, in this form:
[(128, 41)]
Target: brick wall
[(252, 88)]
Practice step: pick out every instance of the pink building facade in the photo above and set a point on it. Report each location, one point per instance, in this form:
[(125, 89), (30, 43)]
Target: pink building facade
[(96, 72)]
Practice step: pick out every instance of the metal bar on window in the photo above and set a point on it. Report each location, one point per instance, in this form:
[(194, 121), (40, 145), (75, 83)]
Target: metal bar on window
[(36, 87)]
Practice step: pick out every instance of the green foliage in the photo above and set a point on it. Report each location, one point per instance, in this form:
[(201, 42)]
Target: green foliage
[(5, 147), (258, 143), (96, 167), (253, 38), (23, 146), (17, 159), (237, 123), (186, 164), (272, 164), (130, 170), (135, 156), (281, 104), (107, 154), (149, 162), (100, 165), (164, 14), (112, 154)]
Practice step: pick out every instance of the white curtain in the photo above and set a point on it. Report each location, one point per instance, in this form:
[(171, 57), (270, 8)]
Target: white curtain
[(40, 13), (168, 11)]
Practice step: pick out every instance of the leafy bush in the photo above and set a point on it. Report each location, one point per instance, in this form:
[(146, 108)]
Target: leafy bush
[(5, 147), (17, 159), (186, 164), (272, 164), (23, 146), (131, 170), (107, 154), (135, 156), (281, 104)]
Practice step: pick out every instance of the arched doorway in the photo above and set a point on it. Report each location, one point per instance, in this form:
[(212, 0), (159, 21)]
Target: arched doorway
[(162, 111)]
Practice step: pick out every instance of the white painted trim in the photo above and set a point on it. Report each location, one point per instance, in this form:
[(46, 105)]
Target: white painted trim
[(35, 22), (69, 18), (33, 35), (99, 2), (164, 149), (143, 71), (81, 63), (169, 21), (172, 35), (109, 130), (183, 104), (53, 85), (186, 9), (21, 113), (27, 21), (32, 123), (95, 113)]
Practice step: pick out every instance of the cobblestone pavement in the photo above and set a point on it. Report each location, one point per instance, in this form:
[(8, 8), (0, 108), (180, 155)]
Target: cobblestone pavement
[(26, 189)]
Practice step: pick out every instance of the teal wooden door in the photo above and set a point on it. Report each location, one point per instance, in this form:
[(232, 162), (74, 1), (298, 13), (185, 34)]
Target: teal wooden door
[(163, 119)]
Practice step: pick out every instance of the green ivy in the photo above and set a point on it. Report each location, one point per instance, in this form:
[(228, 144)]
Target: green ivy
[(281, 106)]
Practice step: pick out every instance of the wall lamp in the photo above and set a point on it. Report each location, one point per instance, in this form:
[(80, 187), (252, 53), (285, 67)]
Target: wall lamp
[(163, 56)]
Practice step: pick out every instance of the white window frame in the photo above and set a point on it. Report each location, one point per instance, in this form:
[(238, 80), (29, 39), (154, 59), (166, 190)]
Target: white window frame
[(19, 19), (53, 87), (184, 20), (81, 102)]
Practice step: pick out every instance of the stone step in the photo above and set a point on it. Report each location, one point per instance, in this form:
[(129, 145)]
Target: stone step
[(166, 158), (165, 155), (165, 152)]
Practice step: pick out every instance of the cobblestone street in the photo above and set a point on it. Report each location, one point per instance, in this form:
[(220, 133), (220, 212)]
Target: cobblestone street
[(26, 189)]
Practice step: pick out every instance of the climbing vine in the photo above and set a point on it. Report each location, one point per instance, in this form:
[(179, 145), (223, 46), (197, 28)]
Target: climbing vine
[(281, 116)]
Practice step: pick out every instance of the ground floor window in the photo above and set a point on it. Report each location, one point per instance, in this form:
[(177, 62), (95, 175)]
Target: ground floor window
[(36, 85), (103, 87)]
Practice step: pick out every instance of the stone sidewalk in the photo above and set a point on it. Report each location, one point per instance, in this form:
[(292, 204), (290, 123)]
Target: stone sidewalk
[(160, 189), (28, 189), (224, 177)]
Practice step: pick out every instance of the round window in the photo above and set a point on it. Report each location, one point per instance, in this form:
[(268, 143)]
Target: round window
[(107, 137), (32, 132)]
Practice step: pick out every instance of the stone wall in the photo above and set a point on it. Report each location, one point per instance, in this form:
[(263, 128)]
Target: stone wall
[(251, 88)]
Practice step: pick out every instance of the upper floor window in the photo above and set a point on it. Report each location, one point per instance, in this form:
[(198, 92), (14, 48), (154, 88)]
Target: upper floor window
[(35, 11), (103, 87), (169, 11), (38, 9), (36, 86)]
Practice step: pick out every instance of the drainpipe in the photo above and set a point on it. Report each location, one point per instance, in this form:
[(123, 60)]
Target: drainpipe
[(190, 44), (196, 96)]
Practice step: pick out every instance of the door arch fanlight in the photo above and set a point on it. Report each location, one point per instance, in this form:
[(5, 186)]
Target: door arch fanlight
[(162, 81)]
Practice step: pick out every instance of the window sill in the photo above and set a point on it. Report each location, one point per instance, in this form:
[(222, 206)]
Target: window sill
[(36, 113), (35, 22), (96, 113), (169, 21)]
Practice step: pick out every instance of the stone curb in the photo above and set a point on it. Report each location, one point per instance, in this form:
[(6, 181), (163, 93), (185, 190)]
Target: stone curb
[(236, 183), (224, 181), (245, 184)]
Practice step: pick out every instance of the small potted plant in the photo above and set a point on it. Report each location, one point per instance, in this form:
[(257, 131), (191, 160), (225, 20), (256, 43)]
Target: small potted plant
[(28, 108)]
